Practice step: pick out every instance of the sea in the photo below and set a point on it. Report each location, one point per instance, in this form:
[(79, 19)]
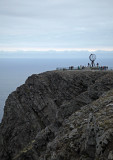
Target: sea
[(14, 72)]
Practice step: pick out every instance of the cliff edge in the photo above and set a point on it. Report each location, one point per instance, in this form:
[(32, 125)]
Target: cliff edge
[(59, 115)]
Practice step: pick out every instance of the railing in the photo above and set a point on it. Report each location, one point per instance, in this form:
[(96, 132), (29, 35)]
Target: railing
[(66, 68), (84, 68)]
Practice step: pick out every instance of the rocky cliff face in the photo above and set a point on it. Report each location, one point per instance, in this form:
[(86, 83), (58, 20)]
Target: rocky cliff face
[(59, 115)]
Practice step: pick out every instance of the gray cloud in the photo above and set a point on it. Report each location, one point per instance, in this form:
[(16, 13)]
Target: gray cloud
[(56, 23)]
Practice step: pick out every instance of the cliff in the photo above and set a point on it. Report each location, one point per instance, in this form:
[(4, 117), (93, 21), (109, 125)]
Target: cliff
[(59, 115)]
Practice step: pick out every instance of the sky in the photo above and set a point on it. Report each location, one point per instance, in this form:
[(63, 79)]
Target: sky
[(56, 25)]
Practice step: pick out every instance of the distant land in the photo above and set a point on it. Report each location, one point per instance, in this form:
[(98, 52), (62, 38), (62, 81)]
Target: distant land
[(55, 54)]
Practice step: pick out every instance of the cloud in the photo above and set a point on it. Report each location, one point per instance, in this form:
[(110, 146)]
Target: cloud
[(56, 23)]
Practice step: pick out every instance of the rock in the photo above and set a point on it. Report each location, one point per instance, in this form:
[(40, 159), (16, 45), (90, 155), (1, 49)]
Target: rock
[(59, 115), (110, 156), (90, 144)]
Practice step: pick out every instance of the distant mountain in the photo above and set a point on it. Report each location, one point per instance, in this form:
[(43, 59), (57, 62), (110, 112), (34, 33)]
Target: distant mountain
[(55, 54)]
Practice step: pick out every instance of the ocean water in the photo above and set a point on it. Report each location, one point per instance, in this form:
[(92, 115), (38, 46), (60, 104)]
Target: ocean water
[(14, 72)]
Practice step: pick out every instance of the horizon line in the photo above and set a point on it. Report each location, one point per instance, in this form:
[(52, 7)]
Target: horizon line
[(55, 49)]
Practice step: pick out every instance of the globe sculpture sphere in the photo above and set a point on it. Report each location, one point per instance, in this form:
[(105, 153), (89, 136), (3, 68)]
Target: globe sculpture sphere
[(92, 58)]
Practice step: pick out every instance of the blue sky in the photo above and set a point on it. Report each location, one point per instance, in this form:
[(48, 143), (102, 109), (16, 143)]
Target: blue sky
[(56, 25)]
